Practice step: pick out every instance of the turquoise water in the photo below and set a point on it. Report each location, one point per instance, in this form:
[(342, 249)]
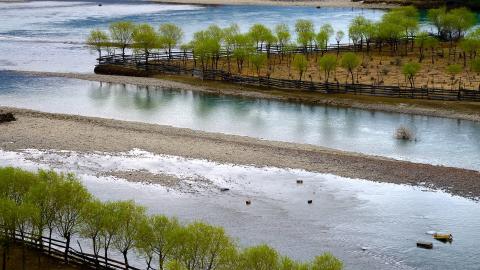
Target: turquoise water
[(439, 140)]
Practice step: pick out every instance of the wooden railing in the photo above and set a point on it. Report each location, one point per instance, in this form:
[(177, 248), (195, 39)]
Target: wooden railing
[(56, 248)]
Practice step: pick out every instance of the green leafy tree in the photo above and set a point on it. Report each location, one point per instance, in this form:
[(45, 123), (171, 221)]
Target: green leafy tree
[(260, 257), (454, 70), (202, 246), (326, 261), (164, 239), (170, 35), (97, 40), (122, 34), (258, 60), (145, 39), (421, 41), (305, 32), (300, 63), (129, 216), (338, 37), (282, 33), (327, 64), (432, 43), (261, 35), (93, 216), (350, 62), (410, 70), (111, 226), (70, 198)]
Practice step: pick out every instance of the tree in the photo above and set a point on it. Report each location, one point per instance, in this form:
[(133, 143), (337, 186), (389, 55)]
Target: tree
[(260, 35), (122, 34), (42, 195), (164, 232), (7, 226), (93, 216), (435, 16), (97, 40), (305, 32), (70, 198), (323, 36), (282, 33), (338, 37), (145, 39), (454, 70), (260, 257), (170, 35), (300, 63), (111, 226), (350, 62), (202, 246), (420, 41), (130, 216), (410, 70), (258, 60), (475, 65), (432, 43), (15, 183), (327, 63), (326, 262)]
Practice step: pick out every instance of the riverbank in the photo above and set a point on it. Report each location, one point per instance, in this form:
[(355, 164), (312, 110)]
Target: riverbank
[(39, 130), (313, 3), (449, 109)]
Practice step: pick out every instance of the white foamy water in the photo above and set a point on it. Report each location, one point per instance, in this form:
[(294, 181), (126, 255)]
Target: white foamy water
[(346, 214)]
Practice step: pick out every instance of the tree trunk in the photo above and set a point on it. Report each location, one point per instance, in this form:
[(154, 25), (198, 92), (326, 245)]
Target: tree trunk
[(67, 247), (125, 259)]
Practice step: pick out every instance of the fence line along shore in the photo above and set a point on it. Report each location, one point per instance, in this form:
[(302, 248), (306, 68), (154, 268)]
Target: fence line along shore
[(171, 63)]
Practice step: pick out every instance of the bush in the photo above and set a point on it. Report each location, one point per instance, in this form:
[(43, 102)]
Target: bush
[(404, 133)]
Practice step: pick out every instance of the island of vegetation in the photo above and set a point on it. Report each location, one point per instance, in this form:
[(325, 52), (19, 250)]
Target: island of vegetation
[(394, 57), (36, 208)]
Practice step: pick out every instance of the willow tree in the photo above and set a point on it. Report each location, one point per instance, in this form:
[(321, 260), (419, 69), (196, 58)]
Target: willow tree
[(258, 60), (338, 37), (282, 34), (260, 257), (97, 40), (244, 46), (421, 41), (145, 39), (130, 216), (229, 34), (410, 71), (326, 261), (94, 216), (70, 198), (122, 35), (327, 64), (305, 32), (261, 35), (350, 63), (300, 63), (323, 36), (170, 36)]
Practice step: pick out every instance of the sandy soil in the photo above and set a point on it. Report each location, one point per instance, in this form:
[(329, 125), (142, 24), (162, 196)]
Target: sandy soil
[(313, 3), (86, 134), (449, 109)]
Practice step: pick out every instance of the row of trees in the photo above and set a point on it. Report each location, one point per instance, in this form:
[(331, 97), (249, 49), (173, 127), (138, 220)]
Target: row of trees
[(47, 202)]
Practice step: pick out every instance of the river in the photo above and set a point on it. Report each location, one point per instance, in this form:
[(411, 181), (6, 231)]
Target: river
[(347, 214)]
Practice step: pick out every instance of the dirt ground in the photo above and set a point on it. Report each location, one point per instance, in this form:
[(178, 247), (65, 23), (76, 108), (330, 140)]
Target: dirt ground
[(376, 68), (34, 261)]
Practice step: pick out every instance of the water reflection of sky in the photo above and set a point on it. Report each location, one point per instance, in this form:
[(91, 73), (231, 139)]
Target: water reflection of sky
[(440, 140), (345, 215)]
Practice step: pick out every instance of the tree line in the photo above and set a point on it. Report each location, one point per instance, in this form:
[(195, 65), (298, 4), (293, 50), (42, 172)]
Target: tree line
[(398, 33), (46, 202)]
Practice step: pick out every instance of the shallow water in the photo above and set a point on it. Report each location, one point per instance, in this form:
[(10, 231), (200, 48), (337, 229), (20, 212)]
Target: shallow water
[(439, 140), (345, 216)]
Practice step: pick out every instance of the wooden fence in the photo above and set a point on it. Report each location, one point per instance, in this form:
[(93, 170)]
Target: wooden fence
[(164, 67), (56, 248)]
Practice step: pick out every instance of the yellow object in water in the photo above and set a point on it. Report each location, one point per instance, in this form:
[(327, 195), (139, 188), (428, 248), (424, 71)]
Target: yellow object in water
[(443, 237)]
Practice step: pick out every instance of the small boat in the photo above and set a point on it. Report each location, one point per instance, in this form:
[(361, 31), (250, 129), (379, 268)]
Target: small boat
[(444, 237)]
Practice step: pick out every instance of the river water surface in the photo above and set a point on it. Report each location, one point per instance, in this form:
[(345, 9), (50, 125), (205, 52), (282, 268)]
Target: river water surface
[(347, 214)]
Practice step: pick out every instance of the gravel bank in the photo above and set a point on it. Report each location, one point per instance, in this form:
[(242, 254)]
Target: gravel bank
[(40, 130)]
